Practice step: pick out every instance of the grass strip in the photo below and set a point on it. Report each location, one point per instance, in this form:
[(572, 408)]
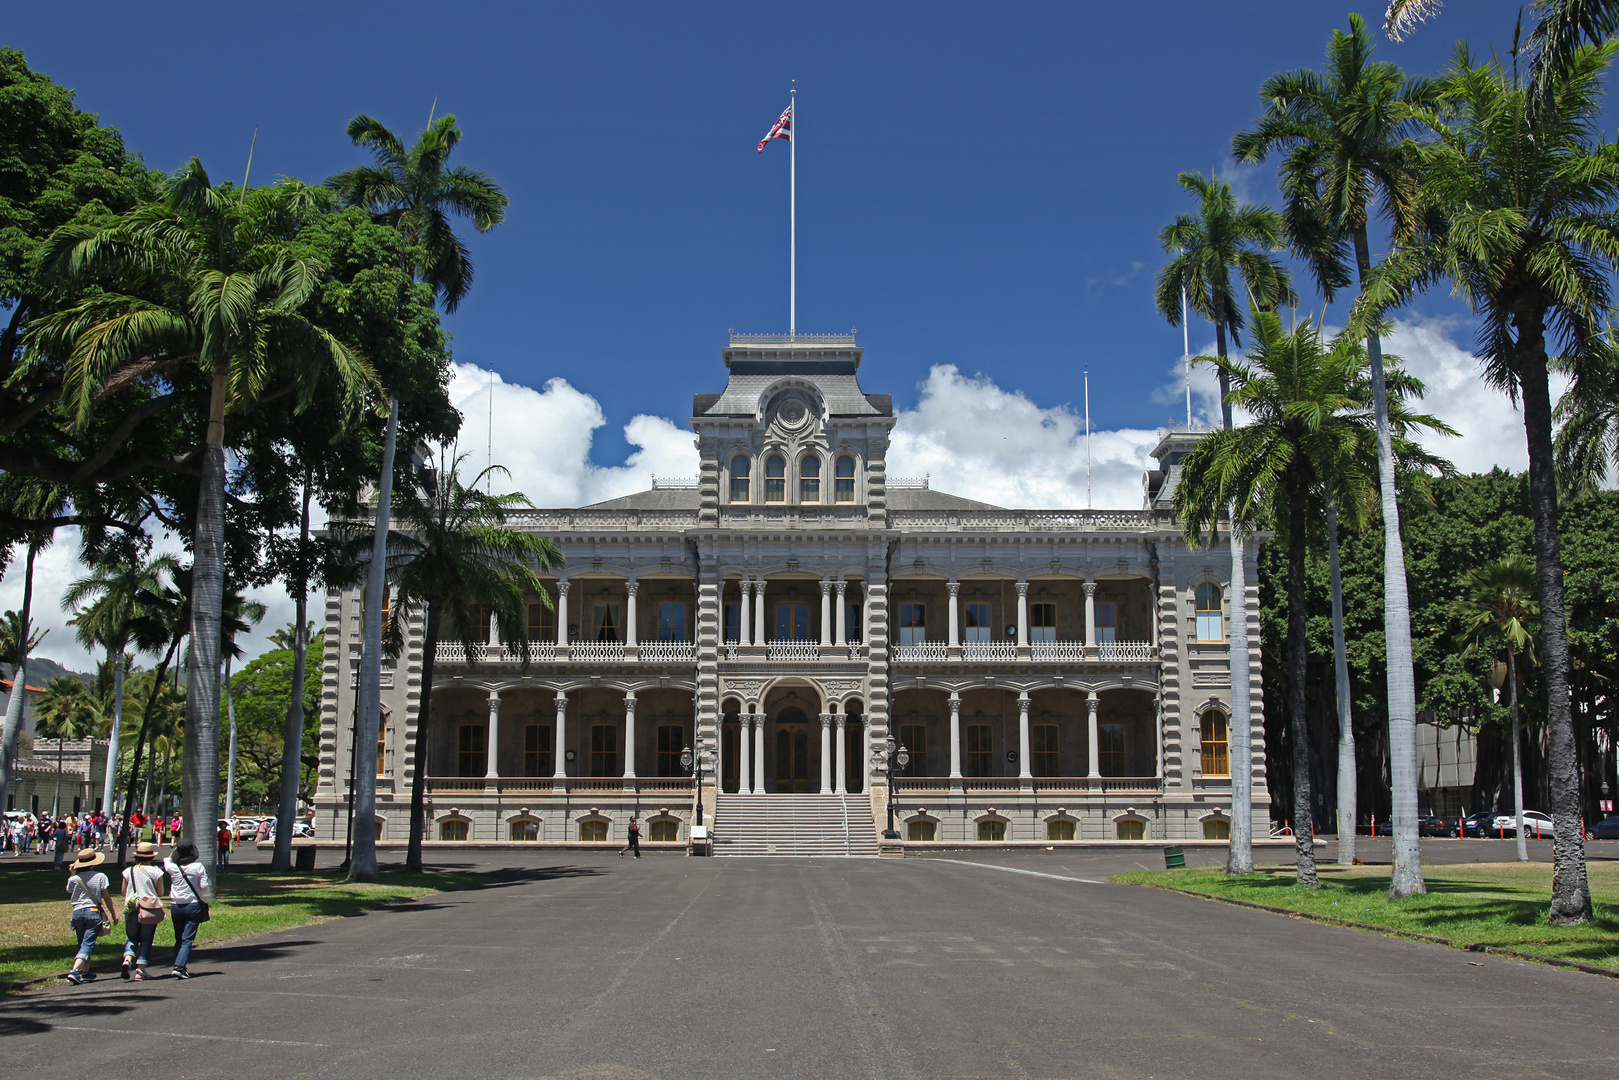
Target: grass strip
[(36, 940), (1496, 908)]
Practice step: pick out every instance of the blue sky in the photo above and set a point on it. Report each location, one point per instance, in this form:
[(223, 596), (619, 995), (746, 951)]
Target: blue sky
[(979, 185)]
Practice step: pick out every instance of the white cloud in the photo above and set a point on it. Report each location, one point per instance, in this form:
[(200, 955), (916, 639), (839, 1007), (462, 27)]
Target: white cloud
[(976, 440)]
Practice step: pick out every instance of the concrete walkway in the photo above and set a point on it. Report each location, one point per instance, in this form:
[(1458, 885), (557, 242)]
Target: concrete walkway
[(986, 966)]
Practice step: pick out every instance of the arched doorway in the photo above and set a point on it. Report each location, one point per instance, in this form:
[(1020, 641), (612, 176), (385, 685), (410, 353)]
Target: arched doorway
[(794, 746)]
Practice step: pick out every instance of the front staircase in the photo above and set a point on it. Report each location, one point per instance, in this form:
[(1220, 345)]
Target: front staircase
[(794, 825)]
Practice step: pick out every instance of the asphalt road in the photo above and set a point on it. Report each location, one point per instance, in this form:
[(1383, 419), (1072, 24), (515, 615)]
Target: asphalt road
[(963, 965)]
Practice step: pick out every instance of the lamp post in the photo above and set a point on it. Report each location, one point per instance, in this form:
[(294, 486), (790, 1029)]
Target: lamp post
[(886, 757), (699, 760)]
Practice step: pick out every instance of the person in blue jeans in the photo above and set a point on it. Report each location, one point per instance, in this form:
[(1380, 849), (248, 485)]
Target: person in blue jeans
[(92, 910), (189, 891), (143, 888)]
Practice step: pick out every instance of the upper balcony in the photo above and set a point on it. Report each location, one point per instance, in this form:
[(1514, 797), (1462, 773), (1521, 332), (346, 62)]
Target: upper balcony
[(580, 652), (1049, 652)]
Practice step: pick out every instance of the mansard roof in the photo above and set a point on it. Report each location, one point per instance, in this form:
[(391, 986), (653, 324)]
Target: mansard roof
[(826, 363), (690, 499)]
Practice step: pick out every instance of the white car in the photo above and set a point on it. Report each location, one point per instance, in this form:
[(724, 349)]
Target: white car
[(1536, 826)]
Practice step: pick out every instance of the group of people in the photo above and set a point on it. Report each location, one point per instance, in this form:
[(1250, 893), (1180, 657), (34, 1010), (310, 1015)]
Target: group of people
[(63, 835), (182, 878)]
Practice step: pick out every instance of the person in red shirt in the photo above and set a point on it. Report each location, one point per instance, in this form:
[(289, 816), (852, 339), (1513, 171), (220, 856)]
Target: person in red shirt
[(224, 846)]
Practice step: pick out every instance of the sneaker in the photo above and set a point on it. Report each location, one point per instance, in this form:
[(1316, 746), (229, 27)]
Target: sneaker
[(123, 972), (181, 973), (139, 976), (88, 976), (75, 978)]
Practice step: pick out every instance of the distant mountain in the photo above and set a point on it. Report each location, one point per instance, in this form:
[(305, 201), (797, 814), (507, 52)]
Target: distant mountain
[(42, 669)]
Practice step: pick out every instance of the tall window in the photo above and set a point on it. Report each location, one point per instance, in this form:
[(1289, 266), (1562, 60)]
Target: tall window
[(851, 624), (914, 737), (809, 479), (524, 829), (992, 829), (921, 829), (542, 623), (1042, 624), (1060, 829), (665, 831), (671, 741), (1107, 623), (1216, 758), (740, 468), (604, 750), (604, 624), (1111, 737), (733, 622), (1217, 829), (453, 829), (976, 626), (593, 831), (1130, 829), (1209, 624), (382, 746), (537, 750), (471, 759), (775, 479), (980, 750), (1044, 744), (844, 480), (671, 622), (913, 624), (792, 622), (476, 619)]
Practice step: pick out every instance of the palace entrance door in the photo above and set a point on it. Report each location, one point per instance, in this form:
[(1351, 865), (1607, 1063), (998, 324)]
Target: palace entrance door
[(793, 744)]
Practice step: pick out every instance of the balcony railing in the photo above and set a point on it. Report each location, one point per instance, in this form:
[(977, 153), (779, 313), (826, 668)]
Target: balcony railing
[(495, 785), (985, 651), (1010, 785), (792, 650), (597, 652), (1125, 651), (927, 650), (669, 652), (1057, 650)]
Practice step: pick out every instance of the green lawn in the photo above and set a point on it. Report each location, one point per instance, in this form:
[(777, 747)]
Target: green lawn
[(1497, 904), (35, 938)]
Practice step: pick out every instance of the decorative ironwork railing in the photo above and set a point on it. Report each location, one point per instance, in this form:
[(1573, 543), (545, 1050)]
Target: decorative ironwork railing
[(1013, 521), (669, 652), (985, 651), (792, 339), (1010, 785), (1057, 650), (596, 652), (1125, 651), (659, 785), (674, 483), (928, 650), (908, 483), (792, 650)]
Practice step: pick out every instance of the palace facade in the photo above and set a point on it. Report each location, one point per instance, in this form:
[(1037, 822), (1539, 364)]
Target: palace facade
[(1052, 675)]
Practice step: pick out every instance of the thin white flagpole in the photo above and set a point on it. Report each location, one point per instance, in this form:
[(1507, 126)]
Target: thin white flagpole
[(1087, 438), (792, 214), (1186, 355)]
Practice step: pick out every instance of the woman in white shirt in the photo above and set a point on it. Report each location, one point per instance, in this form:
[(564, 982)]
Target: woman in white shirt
[(189, 892), (143, 890), (92, 910)]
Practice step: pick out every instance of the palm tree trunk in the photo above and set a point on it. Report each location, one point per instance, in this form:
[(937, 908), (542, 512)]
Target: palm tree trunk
[(1348, 798), (146, 791), (56, 794), (163, 784), (292, 740), (199, 763), (1571, 890), (230, 761), (418, 773), (109, 786), (1517, 756), (1406, 879), (19, 681), (1240, 852), (140, 745), (1297, 660), (363, 866)]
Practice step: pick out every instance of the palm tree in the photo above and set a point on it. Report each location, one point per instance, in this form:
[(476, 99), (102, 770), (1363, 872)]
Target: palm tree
[(416, 191), (1225, 240), (1525, 230), (1309, 445), (250, 612), (453, 549), (1347, 136), (1587, 418), (203, 283), (109, 615), (1499, 603), (295, 637)]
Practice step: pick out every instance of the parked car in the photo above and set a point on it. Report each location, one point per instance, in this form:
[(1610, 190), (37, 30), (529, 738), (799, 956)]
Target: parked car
[(1383, 827), (1536, 826), (1606, 829), (1481, 825), (1432, 825)]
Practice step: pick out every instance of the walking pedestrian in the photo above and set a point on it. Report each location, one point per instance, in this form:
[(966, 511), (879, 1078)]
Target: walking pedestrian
[(635, 839), (59, 842), (143, 911), (224, 839), (189, 894), (92, 911)]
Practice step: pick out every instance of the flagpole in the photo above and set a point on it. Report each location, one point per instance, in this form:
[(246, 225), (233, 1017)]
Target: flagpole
[(1186, 355), (1087, 438), (792, 215)]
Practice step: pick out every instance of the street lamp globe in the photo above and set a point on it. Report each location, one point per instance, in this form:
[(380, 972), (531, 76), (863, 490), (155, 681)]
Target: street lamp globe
[(904, 757), (686, 758)]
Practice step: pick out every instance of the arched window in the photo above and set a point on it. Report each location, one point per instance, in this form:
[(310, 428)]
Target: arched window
[(1130, 829), (1061, 829), (921, 829), (992, 829), (593, 831), (1217, 829), (1210, 626), (452, 829), (775, 479), (740, 468), (666, 831), (809, 479), (843, 481), (1216, 759), (525, 829)]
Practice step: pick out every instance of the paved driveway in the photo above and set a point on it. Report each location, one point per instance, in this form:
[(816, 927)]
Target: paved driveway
[(967, 965)]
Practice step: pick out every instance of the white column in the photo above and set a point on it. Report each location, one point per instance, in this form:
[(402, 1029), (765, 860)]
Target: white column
[(826, 753), (843, 754), (758, 753), (745, 610), (826, 611), (562, 616), (494, 632), (760, 634), (493, 735), (744, 773), (630, 588), (955, 735), (1023, 614), (1023, 744), (954, 638), (560, 755), (1092, 701), (1090, 613), (838, 626), (629, 733)]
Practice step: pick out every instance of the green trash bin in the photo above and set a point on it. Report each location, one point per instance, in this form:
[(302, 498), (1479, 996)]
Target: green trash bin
[(1174, 858)]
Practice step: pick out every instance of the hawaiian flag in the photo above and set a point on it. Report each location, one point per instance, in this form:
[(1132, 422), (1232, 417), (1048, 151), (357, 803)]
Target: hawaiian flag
[(782, 130)]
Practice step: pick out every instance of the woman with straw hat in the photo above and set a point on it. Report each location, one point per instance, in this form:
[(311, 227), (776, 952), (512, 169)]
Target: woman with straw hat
[(143, 910), (92, 910)]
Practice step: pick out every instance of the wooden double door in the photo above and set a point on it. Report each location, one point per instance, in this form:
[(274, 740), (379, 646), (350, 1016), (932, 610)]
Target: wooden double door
[(798, 748)]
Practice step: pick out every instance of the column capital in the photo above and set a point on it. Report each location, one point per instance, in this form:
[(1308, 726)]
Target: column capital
[(1022, 588), (1090, 587), (1092, 703), (629, 699), (826, 586), (842, 719), (826, 721), (953, 585), (630, 585), (562, 586), (955, 702), (1023, 699), (562, 700), (494, 701)]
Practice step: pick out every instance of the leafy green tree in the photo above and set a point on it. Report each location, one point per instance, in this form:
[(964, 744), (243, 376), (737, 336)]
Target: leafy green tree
[(1346, 132), (261, 690), (416, 191), (30, 499), (1526, 231)]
